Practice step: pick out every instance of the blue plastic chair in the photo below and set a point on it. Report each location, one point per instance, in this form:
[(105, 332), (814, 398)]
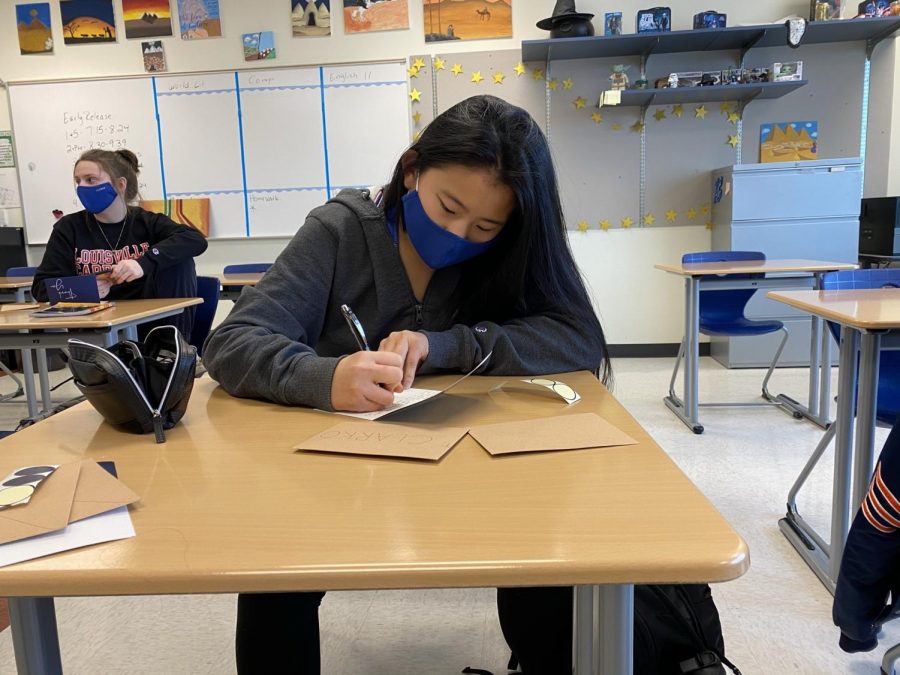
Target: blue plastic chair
[(721, 313), (21, 271), (16, 272), (247, 268), (208, 289)]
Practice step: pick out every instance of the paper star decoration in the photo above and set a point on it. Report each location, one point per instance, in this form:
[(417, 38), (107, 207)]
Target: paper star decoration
[(704, 210), (597, 117), (700, 112), (604, 225), (476, 77), (615, 126), (678, 110), (627, 222), (734, 140), (419, 63), (412, 71), (691, 214), (417, 117), (649, 219), (733, 117), (498, 78), (568, 83), (439, 63), (520, 69), (637, 126), (725, 108), (456, 69), (553, 84), (583, 226), (660, 115), (709, 224), (579, 102), (537, 74), (417, 136), (671, 215), (415, 95)]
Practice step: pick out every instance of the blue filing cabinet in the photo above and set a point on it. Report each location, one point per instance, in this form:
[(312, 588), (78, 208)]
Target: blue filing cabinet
[(786, 210)]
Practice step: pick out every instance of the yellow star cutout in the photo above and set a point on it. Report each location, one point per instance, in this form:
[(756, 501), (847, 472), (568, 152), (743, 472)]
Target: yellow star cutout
[(660, 115), (649, 219), (568, 83), (417, 117), (439, 63), (627, 222), (637, 126), (678, 110), (583, 226), (734, 141), (615, 126), (417, 136), (604, 225), (700, 112), (691, 214), (709, 224), (733, 117), (419, 62), (412, 71), (553, 84), (704, 210), (498, 78), (537, 74), (476, 77), (725, 108), (597, 117), (520, 69), (579, 102), (456, 69), (415, 95), (671, 215)]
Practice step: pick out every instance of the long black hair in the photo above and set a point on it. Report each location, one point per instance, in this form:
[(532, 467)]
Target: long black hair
[(531, 268)]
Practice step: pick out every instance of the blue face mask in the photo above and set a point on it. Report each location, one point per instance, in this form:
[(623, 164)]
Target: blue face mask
[(436, 246), (97, 198)]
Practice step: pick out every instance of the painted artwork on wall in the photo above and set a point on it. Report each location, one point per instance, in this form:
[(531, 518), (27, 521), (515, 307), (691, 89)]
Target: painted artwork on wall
[(192, 212), (311, 18), (367, 16), (33, 25), (788, 141), (154, 56), (199, 19), (259, 46), (147, 18), (467, 19), (87, 21)]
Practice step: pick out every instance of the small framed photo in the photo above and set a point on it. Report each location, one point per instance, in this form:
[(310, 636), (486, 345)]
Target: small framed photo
[(612, 24), (788, 71)]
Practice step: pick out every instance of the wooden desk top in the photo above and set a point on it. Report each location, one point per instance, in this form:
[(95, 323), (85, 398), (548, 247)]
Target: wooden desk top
[(755, 266), (227, 505), (123, 312), (870, 309), (245, 279), (16, 282)]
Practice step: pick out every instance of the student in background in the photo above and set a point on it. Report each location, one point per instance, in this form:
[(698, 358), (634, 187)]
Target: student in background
[(463, 253), (134, 253)]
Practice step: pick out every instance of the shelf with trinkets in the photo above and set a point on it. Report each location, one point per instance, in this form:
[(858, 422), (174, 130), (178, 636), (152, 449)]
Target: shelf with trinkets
[(739, 93), (739, 38)]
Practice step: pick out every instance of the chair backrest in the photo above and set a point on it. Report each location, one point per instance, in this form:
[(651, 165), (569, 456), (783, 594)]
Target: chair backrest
[(247, 268), (21, 271), (724, 307), (888, 395), (208, 289)]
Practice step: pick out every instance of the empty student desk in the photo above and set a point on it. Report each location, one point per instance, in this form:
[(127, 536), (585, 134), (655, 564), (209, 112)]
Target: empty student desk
[(14, 289), (233, 284), (712, 276), (227, 506), (865, 317)]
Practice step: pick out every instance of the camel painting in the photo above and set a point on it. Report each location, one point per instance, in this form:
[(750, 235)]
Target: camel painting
[(467, 19)]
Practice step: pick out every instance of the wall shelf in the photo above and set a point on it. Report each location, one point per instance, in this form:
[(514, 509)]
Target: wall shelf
[(741, 93), (741, 38)]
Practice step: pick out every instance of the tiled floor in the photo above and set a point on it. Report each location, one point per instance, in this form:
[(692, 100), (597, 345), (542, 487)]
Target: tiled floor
[(777, 618)]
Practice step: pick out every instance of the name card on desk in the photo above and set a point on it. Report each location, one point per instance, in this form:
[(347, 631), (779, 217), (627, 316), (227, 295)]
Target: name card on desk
[(385, 440), (563, 432)]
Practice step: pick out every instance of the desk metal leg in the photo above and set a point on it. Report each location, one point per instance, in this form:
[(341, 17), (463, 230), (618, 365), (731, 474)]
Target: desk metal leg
[(687, 410), (28, 381), (814, 410), (825, 375), (35, 640), (870, 346), (585, 651), (604, 630), (44, 379)]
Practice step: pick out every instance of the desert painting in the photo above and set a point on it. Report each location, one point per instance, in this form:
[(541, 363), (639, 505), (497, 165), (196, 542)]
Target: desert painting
[(366, 16), (310, 18), (147, 18), (467, 19), (87, 21), (33, 24)]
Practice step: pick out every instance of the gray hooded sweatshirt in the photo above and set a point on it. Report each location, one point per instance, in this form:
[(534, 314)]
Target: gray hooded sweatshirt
[(285, 336)]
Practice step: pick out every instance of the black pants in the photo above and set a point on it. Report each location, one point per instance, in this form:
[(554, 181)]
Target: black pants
[(177, 281), (279, 632)]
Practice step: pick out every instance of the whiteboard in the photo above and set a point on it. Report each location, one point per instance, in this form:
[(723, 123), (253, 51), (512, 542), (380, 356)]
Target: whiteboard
[(264, 146)]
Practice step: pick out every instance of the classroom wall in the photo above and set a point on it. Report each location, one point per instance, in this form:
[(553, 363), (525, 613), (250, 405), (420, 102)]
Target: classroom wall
[(617, 264)]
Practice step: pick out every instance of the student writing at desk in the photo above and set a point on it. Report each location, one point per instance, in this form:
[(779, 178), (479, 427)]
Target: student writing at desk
[(135, 253), (464, 252)]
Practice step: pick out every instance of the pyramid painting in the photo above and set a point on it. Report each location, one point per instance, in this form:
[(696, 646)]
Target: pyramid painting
[(33, 23), (788, 141), (310, 17)]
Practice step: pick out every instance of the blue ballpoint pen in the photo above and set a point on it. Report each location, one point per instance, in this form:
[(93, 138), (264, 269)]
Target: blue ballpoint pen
[(355, 327)]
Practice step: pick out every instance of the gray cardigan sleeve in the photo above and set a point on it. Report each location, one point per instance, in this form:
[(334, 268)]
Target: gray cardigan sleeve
[(265, 348)]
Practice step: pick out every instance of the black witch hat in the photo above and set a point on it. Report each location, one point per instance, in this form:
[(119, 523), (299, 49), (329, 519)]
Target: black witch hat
[(564, 11)]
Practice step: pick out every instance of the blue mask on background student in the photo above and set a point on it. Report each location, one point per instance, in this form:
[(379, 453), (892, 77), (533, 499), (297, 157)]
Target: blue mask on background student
[(97, 198), (436, 246)]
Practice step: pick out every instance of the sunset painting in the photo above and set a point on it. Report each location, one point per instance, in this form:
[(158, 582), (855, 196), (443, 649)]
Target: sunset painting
[(467, 19), (33, 23), (86, 21), (147, 18), (366, 16)]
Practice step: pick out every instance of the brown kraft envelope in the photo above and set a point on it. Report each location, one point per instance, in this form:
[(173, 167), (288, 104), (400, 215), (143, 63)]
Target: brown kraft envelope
[(98, 491), (563, 432), (47, 511), (383, 439)]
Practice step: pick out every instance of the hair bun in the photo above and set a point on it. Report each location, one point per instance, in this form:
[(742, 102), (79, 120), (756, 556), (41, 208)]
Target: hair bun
[(130, 158)]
